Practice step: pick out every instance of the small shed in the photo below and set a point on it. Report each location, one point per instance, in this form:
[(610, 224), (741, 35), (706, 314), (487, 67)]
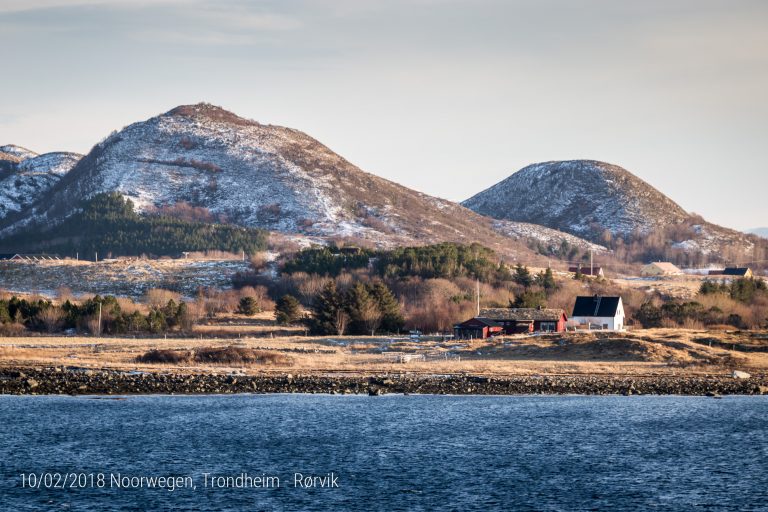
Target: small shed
[(599, 312), (660, 268), (477, 328), (588, 271)]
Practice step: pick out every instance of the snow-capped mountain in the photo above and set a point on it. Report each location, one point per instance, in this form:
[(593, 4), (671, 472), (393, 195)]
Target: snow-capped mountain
[(587, 198), (264, 176), (578, 196), (26, 176), (16, 152)]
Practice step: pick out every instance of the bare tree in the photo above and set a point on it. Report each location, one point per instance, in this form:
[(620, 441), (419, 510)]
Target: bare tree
[(309, 286), (340, 321), (52, 318), (158, 297), (371, 316)]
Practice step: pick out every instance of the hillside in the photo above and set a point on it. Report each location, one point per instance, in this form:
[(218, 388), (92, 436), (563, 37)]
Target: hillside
[(600, 202), (108, 225), (26, 176), (204, 159)]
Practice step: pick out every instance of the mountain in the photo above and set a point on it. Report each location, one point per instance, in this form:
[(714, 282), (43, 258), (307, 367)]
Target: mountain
[(763, 232), (588, 198), (204, 158), (26, 176), (17, 152)]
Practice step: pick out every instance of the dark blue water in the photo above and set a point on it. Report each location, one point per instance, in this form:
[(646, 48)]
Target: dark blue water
[(389, 453)]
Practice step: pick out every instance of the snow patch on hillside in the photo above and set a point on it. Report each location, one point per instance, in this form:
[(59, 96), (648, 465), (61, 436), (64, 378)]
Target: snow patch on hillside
[(17, 151), (31, 178)]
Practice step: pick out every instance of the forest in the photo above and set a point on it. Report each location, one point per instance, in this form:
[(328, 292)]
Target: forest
[(107, 225)]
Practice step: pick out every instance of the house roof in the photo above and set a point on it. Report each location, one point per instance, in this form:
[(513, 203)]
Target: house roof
[(665, 266), (735, 271), (596, 306), (484, 321), (522, 314)]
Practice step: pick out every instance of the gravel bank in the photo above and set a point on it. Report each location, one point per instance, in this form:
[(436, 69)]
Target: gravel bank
[(37, 381)]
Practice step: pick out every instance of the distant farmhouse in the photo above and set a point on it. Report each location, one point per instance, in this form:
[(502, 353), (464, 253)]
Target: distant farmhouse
[(660, 268), (733, 272), (587, 271), (496, 321), (599, 313)]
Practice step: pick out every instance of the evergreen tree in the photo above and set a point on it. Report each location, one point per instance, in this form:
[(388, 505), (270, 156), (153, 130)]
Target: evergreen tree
[(546, 280), (248, 306), (156, 321), (391, 318), (649, 315), (529, 299), (287, 310), (364, 313), (328, 311), (522, 276)]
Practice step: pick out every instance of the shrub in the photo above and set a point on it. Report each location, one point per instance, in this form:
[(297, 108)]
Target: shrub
[(157, 356), (239, 355)]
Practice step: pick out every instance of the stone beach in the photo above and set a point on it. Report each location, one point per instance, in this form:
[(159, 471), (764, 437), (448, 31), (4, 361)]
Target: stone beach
[(78, 381)]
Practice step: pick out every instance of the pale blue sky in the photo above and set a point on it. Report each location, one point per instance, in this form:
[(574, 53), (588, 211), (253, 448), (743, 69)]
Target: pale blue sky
[(444, 96)]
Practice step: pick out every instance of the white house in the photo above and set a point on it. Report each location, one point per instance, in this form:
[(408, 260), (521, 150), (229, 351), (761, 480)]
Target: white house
[(598, 312), (660, 268)]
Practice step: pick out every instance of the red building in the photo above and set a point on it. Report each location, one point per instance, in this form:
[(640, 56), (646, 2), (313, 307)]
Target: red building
[(496, 321), (477, 328)]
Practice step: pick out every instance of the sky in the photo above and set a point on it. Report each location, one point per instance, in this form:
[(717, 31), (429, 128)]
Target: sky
[(444, 96)]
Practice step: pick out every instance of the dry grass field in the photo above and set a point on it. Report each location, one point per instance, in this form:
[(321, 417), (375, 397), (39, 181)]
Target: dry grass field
[(637, 353)]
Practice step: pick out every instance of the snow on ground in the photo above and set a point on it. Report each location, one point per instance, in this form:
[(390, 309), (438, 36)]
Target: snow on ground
[(547, 236)]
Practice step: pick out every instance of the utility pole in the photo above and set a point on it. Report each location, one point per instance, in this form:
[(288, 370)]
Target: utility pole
[(77, 256), (97, 257), (477, 295), (99, 319)]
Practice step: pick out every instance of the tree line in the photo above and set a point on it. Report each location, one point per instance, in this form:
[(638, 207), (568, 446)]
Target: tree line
[(108, 224), (445, 260), (96, 315)]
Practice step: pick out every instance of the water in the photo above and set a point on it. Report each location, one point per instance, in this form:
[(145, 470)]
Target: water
[(392, 452)]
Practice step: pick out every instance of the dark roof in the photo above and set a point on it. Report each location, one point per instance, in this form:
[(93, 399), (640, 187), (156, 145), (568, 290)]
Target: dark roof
[(485, 321), (522, 314), (735, 271), (596, 306)]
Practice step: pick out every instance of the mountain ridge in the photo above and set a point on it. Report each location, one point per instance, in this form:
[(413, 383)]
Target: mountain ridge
[(259, 175), (600, 201)]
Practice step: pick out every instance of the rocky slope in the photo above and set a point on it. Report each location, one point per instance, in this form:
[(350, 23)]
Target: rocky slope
[(25, 176), (587, 198), (259, 175)]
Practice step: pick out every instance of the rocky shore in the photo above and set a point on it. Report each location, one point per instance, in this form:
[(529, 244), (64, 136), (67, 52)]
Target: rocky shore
[(75, 381)]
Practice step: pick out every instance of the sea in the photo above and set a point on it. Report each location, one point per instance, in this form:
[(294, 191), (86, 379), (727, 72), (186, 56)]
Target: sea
[(385, 453)]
